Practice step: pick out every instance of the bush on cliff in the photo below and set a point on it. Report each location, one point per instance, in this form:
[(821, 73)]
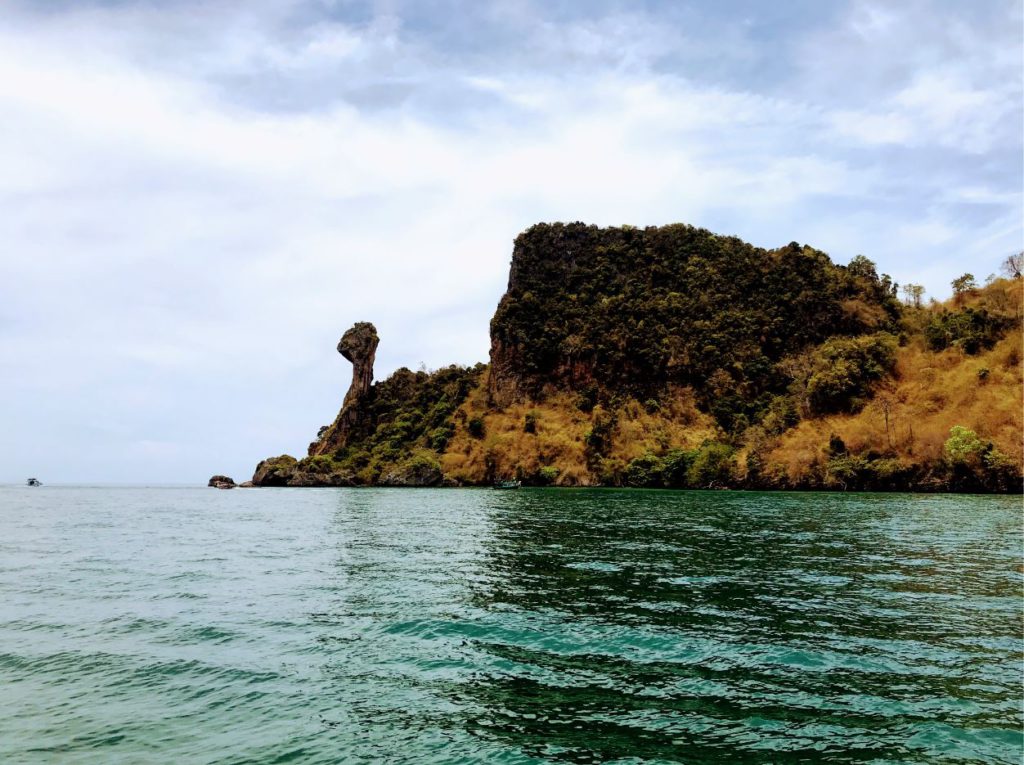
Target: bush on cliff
[(969, 330), (844, 369), (710, 465)]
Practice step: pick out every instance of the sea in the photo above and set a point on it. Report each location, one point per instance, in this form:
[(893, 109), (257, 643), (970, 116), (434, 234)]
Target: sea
[(196, 625)]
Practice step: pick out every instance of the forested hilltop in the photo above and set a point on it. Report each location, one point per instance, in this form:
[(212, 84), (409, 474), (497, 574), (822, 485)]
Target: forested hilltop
[(674, 357)]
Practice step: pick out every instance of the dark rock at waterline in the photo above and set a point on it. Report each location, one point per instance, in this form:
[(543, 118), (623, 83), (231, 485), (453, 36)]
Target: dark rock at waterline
[(246, 485), (287, 471), (338, 479), (221, 482), (416, 474), (275, 471)]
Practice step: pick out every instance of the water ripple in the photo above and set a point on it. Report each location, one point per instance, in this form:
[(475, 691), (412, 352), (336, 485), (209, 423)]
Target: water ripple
[(365, 626)]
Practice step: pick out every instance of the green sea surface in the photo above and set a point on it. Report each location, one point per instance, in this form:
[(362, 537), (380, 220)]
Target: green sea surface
[(181, 625)]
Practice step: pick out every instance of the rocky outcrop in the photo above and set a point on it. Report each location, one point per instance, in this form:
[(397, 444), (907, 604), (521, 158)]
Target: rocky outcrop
[(414, 473), (359, 346), (308, 475), (503, 381), (395, 430), (506, 384), (275, 471), (221, 482), (288, 471)]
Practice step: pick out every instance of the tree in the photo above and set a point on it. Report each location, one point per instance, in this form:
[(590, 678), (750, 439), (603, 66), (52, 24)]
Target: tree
[(1013, 266), (963, 284), (913, 293), (863, 267), (963, 445), (886, 403), (844, 371)]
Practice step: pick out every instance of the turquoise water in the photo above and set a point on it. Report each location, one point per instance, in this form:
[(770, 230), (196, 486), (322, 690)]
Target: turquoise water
[(457, 626)]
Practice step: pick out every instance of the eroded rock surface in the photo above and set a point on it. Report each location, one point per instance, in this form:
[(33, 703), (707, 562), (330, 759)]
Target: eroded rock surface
[(359, 346), (414, 474), (275, 471)]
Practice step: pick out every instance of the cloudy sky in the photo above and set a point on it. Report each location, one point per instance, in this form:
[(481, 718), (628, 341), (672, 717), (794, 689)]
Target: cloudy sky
[(198, 198)]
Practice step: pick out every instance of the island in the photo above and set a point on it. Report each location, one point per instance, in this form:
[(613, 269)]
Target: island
[(674, 357)]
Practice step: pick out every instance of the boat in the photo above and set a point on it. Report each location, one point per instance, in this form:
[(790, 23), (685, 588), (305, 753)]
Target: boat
[(507, 484), (34, 482)]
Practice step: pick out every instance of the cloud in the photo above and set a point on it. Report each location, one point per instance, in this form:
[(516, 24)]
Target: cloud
[(198, 199)]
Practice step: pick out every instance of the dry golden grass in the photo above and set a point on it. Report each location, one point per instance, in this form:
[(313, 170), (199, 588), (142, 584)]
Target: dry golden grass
[(930, 393), (506, 449), (677, 424)]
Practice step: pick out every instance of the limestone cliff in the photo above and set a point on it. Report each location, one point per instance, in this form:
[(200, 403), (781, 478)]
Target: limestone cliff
[(359, 346), (628, 310)]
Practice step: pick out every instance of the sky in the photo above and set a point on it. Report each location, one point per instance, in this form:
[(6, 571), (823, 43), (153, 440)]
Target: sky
[(198, 198)]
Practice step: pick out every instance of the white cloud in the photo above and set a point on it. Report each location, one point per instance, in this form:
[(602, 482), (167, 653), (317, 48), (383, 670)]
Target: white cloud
[(181, 260)]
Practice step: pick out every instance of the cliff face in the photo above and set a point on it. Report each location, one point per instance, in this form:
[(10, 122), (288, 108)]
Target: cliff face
[(674, 357), (627, 310)]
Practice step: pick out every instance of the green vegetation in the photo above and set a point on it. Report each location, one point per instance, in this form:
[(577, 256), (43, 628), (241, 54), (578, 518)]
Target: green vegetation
[(842, 371), (711, 465), (626, 311), (977, 464), (411, 423), (548, 474), (963, 284), (968, 329), (476, 427)]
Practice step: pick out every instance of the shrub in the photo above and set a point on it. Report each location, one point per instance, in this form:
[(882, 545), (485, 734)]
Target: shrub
[(712, 466), (530, 422), (439, 437), (644, 471), (675, 467), (844, 369), (1001, 472), (969, 330), (610, 471), (836, 446), (845, 472), (781, 415), (963, 445), (547, 475), (475, 426)]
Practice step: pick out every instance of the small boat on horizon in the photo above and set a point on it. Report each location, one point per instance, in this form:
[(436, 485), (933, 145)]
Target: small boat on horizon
[(34, 482), (507, 484)]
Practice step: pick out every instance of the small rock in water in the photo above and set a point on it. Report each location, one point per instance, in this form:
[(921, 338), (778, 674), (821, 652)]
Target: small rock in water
[(221, 482)]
